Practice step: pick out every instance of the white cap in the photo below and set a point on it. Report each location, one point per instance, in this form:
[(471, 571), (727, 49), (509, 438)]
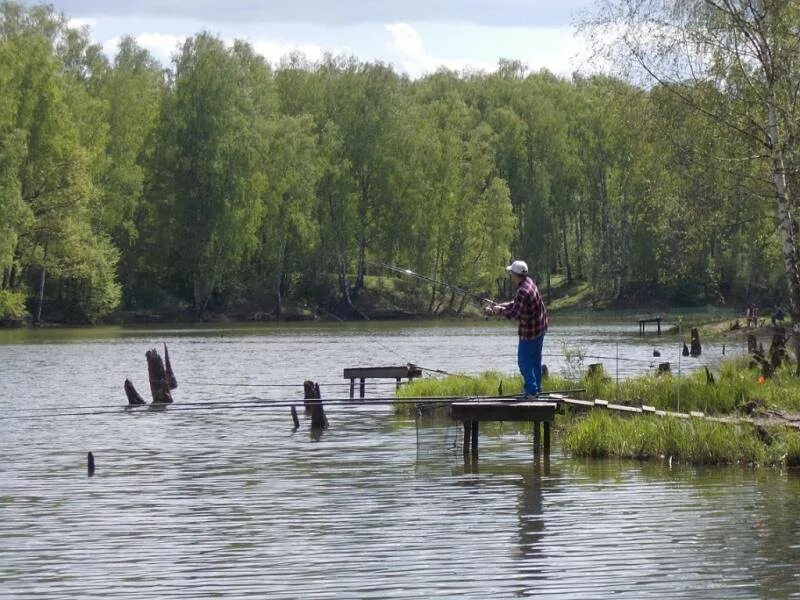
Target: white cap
[(520, 267)]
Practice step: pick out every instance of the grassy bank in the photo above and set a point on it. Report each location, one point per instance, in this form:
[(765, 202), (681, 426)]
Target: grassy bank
[(737, 391)]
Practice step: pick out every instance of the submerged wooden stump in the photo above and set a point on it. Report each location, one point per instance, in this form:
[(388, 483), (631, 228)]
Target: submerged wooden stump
[(696, 349), (134, 399), (173, 382), (159, 382), (777, 349), (313, 403), (752, 344)]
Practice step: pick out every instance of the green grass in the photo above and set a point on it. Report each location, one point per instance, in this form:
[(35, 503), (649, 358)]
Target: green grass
[(602, 434)]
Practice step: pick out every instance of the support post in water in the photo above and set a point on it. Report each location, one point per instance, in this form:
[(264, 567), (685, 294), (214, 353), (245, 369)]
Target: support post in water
[(90, 464), (159, 384), (467, 435), (134, 399), (295, 419)]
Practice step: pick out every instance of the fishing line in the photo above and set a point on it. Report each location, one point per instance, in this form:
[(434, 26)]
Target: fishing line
[(283, 403), (449, 286)]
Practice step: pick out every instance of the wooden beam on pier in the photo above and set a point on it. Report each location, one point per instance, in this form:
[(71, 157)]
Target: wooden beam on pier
[(408, 371), (472, 413)]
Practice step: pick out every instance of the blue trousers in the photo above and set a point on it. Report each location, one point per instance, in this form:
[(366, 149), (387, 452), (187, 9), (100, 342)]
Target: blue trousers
[(529, 359)]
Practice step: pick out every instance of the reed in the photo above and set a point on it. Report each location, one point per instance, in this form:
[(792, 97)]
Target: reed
[(693, 441), (601, 434)]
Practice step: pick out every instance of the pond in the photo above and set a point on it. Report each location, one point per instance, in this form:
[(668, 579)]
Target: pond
[(233, 503)]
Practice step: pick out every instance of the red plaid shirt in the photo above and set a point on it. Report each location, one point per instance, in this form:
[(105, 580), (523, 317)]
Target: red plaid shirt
[(528, 307)]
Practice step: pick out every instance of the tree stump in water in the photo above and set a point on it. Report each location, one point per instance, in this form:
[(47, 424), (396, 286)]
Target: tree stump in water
[(313, 402), (777, 349), (159, 383), (752, 345), (134, 399), (173, 382), (309, 394), (695, 350)]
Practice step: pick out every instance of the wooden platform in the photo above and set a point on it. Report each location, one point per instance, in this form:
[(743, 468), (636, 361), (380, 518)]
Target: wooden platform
[(472, 413)]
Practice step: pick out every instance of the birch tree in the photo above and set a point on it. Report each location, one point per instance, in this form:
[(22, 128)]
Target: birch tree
[(750, 51)]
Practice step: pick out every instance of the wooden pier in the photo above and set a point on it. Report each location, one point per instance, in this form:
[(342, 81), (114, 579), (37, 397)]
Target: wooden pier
[(472, 413), (409, 372)]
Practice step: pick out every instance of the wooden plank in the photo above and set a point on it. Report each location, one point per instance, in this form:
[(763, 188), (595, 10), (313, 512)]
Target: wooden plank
[(696, 414), (648, 409), (677, 415), (376, 372), (601, 403), (580, 403), (503, 411), (624, 408)]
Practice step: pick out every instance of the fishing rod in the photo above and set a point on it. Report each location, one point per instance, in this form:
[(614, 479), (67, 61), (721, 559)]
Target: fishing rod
[(449, 286), (86, 411)]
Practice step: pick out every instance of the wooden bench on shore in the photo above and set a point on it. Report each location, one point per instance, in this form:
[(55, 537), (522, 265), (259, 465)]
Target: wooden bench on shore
[(472, 413), (408, 371), (656, 320)]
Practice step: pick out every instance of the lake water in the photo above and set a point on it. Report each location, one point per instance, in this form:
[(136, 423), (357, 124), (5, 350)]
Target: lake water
[(232, 503)]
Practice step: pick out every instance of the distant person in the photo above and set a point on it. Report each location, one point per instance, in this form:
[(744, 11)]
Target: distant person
[(527, 307), (777, 316), (751, 314)]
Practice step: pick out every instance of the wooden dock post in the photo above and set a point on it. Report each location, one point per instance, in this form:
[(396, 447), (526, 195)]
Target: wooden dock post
[(475, 438), (295, 419), (467, 436), (537, 437), (90, 464), (546, 425)]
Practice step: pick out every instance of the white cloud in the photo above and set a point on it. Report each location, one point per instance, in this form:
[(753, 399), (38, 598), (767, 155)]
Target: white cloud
[(78, 23), (275, 50), (407, 51), (161, 45)]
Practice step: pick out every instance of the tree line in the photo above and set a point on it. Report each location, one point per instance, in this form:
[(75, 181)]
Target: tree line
[(222, 183)]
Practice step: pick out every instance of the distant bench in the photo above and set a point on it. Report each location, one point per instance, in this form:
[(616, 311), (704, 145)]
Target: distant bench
[(409, 372), (656, 320)]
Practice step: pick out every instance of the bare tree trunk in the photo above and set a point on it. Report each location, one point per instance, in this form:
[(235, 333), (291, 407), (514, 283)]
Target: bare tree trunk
[(787, 226), (40, 292), (279, 275), (565, 242)]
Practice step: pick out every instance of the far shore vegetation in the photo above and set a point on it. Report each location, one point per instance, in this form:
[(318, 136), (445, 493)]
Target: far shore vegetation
[(284, 196), (739, 393)]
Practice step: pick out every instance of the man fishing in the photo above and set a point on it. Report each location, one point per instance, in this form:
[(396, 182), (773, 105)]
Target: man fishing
[(528, 307)]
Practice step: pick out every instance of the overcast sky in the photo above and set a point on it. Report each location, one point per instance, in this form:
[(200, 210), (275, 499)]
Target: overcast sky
[(416, 36)]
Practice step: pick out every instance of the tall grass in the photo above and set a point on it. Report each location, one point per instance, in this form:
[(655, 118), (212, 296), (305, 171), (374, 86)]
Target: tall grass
[(696, 441), (601, 434)]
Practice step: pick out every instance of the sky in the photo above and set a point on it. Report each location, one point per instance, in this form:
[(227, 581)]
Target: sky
[(415, 36)]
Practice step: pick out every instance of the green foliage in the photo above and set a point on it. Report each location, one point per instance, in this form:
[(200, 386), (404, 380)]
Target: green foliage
[(12, 305), (222, 183)]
